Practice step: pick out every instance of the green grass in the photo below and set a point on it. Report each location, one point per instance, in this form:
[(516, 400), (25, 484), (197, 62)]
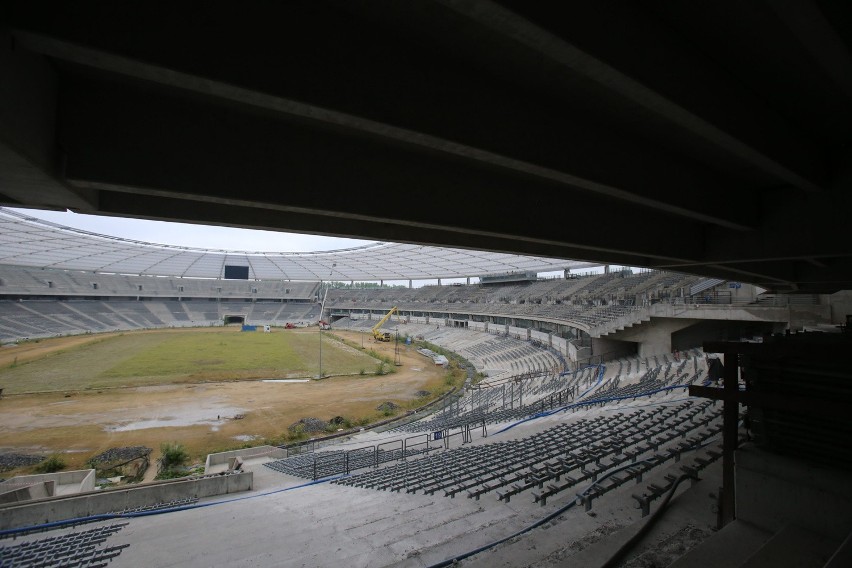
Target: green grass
[(187, 354), (138, 359)]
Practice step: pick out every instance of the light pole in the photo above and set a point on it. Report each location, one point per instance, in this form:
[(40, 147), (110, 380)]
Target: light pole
[(320, 350)]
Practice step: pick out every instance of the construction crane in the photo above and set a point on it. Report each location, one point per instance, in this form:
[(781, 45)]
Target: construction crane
[(378, 335)]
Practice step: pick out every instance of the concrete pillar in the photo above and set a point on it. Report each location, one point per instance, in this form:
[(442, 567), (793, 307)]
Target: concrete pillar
[(409, 285), (439, 281), (468, 280), (381, 282), (606, 269), (565, 273)]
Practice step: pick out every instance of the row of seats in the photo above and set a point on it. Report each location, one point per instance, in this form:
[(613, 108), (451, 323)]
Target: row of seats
[(539, 292), (31, 281), (71, 550), (576, 452), (589, 315), (158, 506), (506, 401), (45, 318), (318, 465)]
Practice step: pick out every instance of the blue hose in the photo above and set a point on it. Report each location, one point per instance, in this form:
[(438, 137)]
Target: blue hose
[(601, 371)]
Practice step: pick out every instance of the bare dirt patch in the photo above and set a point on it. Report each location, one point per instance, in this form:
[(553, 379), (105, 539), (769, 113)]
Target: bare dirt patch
[(202, 416)]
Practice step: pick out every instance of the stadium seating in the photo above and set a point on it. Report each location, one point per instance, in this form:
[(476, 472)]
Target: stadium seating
[(70, 549), (559, 458)]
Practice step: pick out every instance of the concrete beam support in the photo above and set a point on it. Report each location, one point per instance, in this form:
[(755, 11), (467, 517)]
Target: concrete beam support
[(655, 336), (30, 161)]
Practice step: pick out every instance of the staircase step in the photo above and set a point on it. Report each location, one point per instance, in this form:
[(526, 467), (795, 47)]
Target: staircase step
[(843, 556), (731, 546), (792, 547)]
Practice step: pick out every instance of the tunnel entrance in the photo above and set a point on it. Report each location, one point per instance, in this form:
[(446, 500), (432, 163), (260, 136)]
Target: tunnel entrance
[(235, 319)]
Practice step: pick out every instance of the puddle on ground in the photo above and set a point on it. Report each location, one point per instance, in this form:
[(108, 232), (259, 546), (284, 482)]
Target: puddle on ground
[(215, 417)]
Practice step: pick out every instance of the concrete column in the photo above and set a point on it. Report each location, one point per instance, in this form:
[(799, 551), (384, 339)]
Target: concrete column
[(606, 269), (409, 285), (730, 419), (439, 281), (565, 273), (468, 280), (381, 282)]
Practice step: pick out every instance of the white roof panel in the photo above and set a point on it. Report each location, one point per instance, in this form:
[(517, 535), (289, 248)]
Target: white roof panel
[(28, 241)]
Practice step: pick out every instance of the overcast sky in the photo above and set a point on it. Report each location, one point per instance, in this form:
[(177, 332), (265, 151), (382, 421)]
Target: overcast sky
[(202, 236)]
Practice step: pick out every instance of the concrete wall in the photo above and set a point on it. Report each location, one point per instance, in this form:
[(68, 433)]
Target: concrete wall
[(801, 316), (17, 492), (774, 490), (745, 293), (714, 330), (611, 349), (48, 484), (840, 304), (99, 502), (477, 325), (540, 336), (573, 352), (498, 328), (244, 453), (654, 336), (521, 333), (561, 345)]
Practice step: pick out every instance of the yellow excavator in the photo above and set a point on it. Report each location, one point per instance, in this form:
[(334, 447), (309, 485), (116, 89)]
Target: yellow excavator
[(378, 335)]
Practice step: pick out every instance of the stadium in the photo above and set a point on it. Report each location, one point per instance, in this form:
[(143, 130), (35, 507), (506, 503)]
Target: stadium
[(604, 320), (596, 344)]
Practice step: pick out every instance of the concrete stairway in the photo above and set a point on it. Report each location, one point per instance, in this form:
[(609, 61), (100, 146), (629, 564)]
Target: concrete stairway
[(743, 545), (619, 324)]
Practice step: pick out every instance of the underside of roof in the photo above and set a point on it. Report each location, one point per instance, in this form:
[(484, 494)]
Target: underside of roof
[(709, 137), (28, 241)]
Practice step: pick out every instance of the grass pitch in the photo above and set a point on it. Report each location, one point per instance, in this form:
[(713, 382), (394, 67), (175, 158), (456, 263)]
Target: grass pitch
[(194, 399), (183, 356)]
